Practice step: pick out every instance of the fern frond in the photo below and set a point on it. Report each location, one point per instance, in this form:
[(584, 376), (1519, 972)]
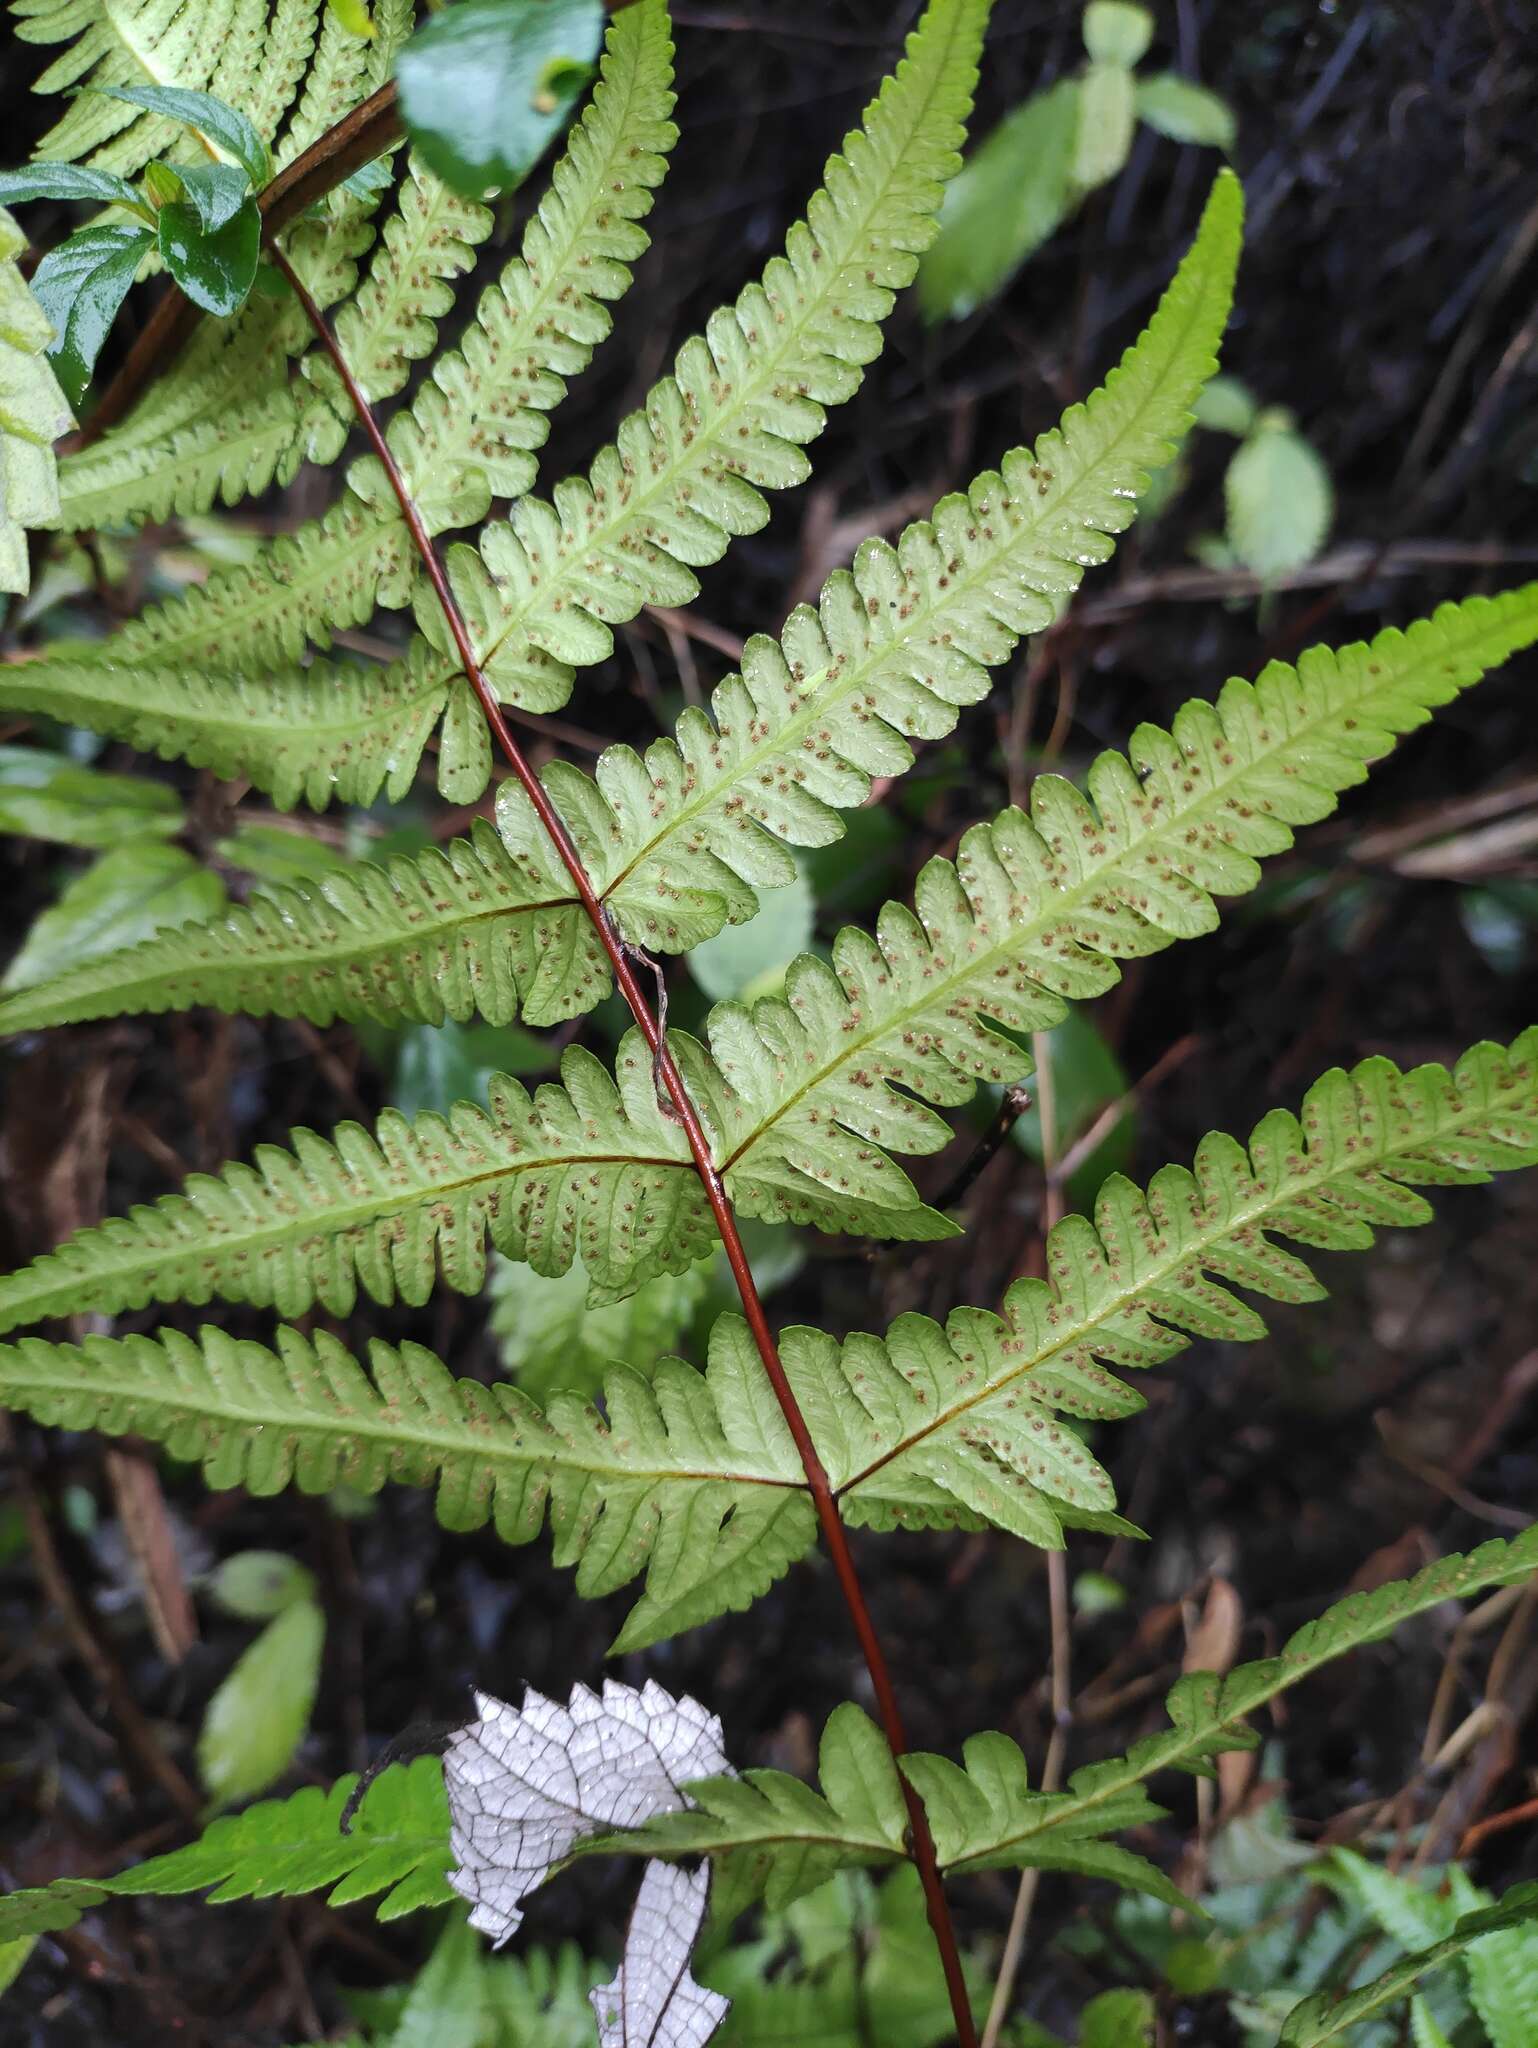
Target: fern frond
[(1208, 1712), (399, 1845), (225, 47), (230, 424), (1034, 909), (590, 1169), (1038, 909), (33, 413), (692, 1479), (967, 1417), (900, 642), (308, 733)]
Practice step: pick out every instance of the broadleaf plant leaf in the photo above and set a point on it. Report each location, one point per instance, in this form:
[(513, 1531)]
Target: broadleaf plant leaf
[(1185, 111), (80, 286), (259, 1716), (69, 182), (486, 85), (223, 125), (48, 796), (215, 268)]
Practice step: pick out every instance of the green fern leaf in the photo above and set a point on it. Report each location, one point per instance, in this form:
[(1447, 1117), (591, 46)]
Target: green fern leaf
[(1505, 1927), (693, 1479), (966, 1416), (236, 726), (586, 1170), (968, 1808), (399, 1845), (901, 642), (245, 52), (1208, 1712), (231, 424), (771, 1837)]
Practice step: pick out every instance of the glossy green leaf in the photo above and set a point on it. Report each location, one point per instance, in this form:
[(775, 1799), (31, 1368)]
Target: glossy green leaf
[(1279, 499), (1184, 111), (216, 192), (216, 270), (129, 894), (1007, 199), (1117, 32), (223, 125), (80, 286), (47, 796), (69, 181), (258, 1717), (487, 85)]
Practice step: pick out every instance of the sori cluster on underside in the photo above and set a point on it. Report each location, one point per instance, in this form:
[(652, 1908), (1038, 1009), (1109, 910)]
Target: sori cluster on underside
[(687, 1480)]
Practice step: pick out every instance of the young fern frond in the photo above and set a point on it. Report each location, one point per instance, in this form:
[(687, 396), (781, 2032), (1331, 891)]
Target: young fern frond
[(695, 1477), (696, 1484), (281, 1848)]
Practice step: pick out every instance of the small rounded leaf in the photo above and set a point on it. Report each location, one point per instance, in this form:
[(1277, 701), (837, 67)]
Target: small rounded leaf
[(1185, 112), (1116, 32), (258, 1584), (216, 270), (1107, 117), (1279, 501)]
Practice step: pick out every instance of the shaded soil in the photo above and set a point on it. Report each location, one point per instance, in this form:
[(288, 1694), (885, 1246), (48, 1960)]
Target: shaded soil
[(1387, 297)]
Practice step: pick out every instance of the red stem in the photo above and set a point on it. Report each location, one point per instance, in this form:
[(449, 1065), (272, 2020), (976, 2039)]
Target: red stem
[(823, 1499)]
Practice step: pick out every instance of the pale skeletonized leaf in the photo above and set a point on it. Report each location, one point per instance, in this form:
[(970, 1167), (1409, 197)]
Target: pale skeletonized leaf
[(526, 1785), (654, 2002)]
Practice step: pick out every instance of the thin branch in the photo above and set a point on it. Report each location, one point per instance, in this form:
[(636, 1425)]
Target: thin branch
[(620, 957)]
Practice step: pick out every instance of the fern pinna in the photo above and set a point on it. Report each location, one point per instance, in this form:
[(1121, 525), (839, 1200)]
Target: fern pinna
[(706, 1486)]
